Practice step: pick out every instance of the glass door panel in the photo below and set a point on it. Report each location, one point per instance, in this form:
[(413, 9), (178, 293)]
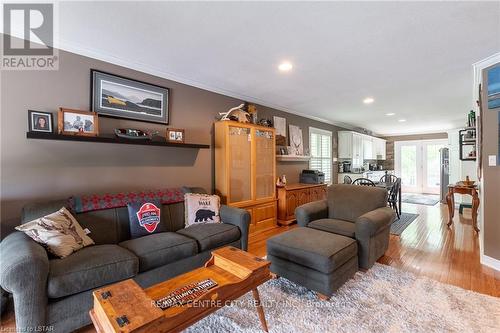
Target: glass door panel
[(432, 167), (407, 166), (240, 156), (264, 164), (418, 164)]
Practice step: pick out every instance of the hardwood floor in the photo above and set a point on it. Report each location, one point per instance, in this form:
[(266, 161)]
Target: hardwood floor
[(427, 247)]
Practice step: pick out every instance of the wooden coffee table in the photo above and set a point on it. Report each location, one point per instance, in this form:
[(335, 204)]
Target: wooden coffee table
[(126, 307)]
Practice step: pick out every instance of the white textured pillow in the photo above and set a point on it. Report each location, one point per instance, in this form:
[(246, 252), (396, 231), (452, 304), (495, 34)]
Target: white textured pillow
[(59, 232), (201, 208)]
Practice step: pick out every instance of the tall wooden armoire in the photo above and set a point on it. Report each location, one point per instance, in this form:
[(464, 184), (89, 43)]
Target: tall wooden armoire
[(245, 170)]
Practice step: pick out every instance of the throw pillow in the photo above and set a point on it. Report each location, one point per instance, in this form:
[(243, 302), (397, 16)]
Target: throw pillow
[(201, 208), (59, 232), (145, 218)]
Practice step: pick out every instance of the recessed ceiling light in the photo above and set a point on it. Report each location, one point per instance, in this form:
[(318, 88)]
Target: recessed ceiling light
[(368, 100), (401, 120), (390, 114), (285, 66)]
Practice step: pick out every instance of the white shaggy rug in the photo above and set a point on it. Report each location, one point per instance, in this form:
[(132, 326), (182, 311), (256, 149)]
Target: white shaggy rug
[(384, 299)]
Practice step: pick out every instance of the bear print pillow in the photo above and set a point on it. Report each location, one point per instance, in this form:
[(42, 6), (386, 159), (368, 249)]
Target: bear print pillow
[(145, 218), (201, 208)]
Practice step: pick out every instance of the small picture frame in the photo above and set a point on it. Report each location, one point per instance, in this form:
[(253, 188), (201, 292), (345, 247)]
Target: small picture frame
[(77, 122), (175, 135), (39, 121)]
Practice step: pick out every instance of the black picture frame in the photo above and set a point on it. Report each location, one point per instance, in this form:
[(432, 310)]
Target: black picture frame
[(33, 122), (121, 97)]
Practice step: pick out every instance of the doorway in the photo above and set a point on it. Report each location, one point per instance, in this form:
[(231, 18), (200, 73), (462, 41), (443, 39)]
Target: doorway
[(419, 165)]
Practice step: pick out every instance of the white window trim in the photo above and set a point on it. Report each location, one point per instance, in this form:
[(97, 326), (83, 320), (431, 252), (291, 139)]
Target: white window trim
[(326, 133)]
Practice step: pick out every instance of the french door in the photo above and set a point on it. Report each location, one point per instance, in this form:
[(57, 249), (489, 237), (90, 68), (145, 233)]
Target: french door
[(418, 164)]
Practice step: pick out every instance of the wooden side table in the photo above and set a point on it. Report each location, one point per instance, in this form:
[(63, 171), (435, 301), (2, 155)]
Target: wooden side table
[(450, 200)]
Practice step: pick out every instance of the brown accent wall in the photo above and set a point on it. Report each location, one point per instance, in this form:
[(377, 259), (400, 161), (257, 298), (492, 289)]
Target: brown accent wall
[(491, 177), (37, 170), (389, 161)]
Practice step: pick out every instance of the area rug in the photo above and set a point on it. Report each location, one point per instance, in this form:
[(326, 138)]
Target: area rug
[(405, 219), (383, 299), (420, 199)]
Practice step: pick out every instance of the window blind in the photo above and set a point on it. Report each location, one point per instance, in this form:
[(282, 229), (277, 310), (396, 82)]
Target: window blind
[(320, 144)]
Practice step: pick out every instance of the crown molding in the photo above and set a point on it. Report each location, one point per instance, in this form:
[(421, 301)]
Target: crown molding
[(78, 49)]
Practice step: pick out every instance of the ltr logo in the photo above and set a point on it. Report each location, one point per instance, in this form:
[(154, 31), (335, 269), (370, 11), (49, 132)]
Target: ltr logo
[(28, 37), (33, 23)]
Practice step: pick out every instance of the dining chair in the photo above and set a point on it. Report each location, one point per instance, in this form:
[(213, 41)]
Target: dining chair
[(347, 180), (394, 196), (388, 178), (363, 182)]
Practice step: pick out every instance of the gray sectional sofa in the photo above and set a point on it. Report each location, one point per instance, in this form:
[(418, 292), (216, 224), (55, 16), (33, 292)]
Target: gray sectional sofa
[(57, 293)]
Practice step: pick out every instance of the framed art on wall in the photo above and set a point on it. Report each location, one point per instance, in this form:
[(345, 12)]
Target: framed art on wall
[(494, 87), (175, 135), (120, 97), (296, 140), (40, 121), (77, 122)]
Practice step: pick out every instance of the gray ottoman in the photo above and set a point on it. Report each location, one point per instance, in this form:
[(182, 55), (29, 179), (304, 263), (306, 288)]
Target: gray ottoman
[(318, 260)]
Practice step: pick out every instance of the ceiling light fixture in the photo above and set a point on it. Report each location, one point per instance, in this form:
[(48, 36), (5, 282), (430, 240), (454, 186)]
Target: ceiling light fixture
[(368, 100), (285, 66), (401, 120), (390, 114)]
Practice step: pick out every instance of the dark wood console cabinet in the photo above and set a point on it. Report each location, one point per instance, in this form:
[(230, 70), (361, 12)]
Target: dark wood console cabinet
[(293, 195)]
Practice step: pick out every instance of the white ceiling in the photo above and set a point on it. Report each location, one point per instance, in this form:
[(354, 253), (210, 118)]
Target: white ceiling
[(414, 58)]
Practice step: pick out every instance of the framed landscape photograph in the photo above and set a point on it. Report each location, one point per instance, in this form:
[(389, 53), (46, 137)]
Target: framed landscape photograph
[(40, 121), (116, 96), (76, 122)]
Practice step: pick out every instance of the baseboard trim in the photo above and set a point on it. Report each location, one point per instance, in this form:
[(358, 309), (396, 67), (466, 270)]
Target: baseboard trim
[(490, 262)]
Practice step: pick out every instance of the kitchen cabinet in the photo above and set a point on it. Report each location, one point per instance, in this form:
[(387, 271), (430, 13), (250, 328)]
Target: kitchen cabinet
[(357, 150), (345, 145), (368, 148), (379, 148), (351, 147), (358, 147)]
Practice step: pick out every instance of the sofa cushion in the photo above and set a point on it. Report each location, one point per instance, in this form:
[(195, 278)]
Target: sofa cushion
[(212, 235), (339, 227), (146, 218), (348, 202), (59, 232), (90, 268), (319, 250), (160, 249)]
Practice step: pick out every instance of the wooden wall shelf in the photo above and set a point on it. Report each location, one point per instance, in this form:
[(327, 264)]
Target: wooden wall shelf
[(112, 139), (292, 158)]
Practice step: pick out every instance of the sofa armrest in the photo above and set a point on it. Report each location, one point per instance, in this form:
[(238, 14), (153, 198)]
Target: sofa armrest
[(238, 217), (311, 211), (24, 268), (371, 223)]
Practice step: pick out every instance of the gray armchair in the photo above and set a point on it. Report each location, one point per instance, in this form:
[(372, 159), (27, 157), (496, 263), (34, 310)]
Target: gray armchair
[(359, 212)]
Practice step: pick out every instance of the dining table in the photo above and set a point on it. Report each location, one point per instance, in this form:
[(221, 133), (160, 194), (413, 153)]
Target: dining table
[(388, 186)]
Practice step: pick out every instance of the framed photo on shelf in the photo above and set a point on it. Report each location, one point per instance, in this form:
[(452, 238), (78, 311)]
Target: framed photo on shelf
[(39, 121), (120, 97), (175, 135), (77, 122)]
